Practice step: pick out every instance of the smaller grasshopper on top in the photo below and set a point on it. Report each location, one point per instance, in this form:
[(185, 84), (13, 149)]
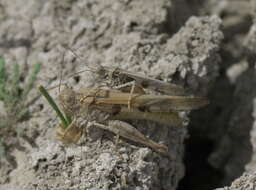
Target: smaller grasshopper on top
[(128, 81)]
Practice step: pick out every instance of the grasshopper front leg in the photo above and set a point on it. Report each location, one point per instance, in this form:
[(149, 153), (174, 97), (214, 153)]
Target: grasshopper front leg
[(127, 131), (69, 135)]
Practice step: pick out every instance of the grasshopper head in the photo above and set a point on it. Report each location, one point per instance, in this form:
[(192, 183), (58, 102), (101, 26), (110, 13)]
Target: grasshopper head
[(68, 101)]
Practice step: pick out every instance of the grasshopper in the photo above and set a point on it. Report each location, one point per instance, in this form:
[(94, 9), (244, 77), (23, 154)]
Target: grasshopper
[(126, 81), (70, 130), (120, 78), (107, 108)]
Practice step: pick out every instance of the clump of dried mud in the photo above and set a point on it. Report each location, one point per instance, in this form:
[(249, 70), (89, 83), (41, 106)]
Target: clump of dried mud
[(206, 46)]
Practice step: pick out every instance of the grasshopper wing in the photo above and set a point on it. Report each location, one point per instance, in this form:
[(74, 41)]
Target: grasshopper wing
[(147, 102), (174, 103)]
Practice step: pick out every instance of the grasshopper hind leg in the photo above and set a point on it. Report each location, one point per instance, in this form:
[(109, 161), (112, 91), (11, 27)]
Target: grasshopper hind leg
[(127, 131)]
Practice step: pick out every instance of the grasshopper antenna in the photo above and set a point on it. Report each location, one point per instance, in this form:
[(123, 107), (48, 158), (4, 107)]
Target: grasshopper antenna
[(74, 74), (81, 59), (91, 69)]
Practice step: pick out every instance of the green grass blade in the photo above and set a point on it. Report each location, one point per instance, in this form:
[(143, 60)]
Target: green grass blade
[(2, 148), (44, 92), (68, 118), (14, 81), (3, 78), (31, 80), (12, 95)]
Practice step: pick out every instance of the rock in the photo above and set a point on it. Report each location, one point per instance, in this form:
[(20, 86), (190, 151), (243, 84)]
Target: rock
[(133, 35)]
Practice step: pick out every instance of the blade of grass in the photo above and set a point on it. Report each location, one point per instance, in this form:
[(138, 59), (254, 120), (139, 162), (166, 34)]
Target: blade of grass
[(68, 118), (12, 96), (3, 78), (65, 120), (2, 148), (31, 80), (14, 81)]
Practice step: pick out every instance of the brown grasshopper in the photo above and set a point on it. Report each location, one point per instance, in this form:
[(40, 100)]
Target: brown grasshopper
[(106, 109)]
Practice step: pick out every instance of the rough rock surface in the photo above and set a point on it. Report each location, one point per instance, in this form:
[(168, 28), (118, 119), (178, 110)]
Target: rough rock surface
[(250, 45), (236, 150), (241, 134), (245, 182), (133, 35), (227, 122)]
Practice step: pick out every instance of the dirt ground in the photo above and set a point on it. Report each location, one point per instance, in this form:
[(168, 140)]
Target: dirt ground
[(208, 47)]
